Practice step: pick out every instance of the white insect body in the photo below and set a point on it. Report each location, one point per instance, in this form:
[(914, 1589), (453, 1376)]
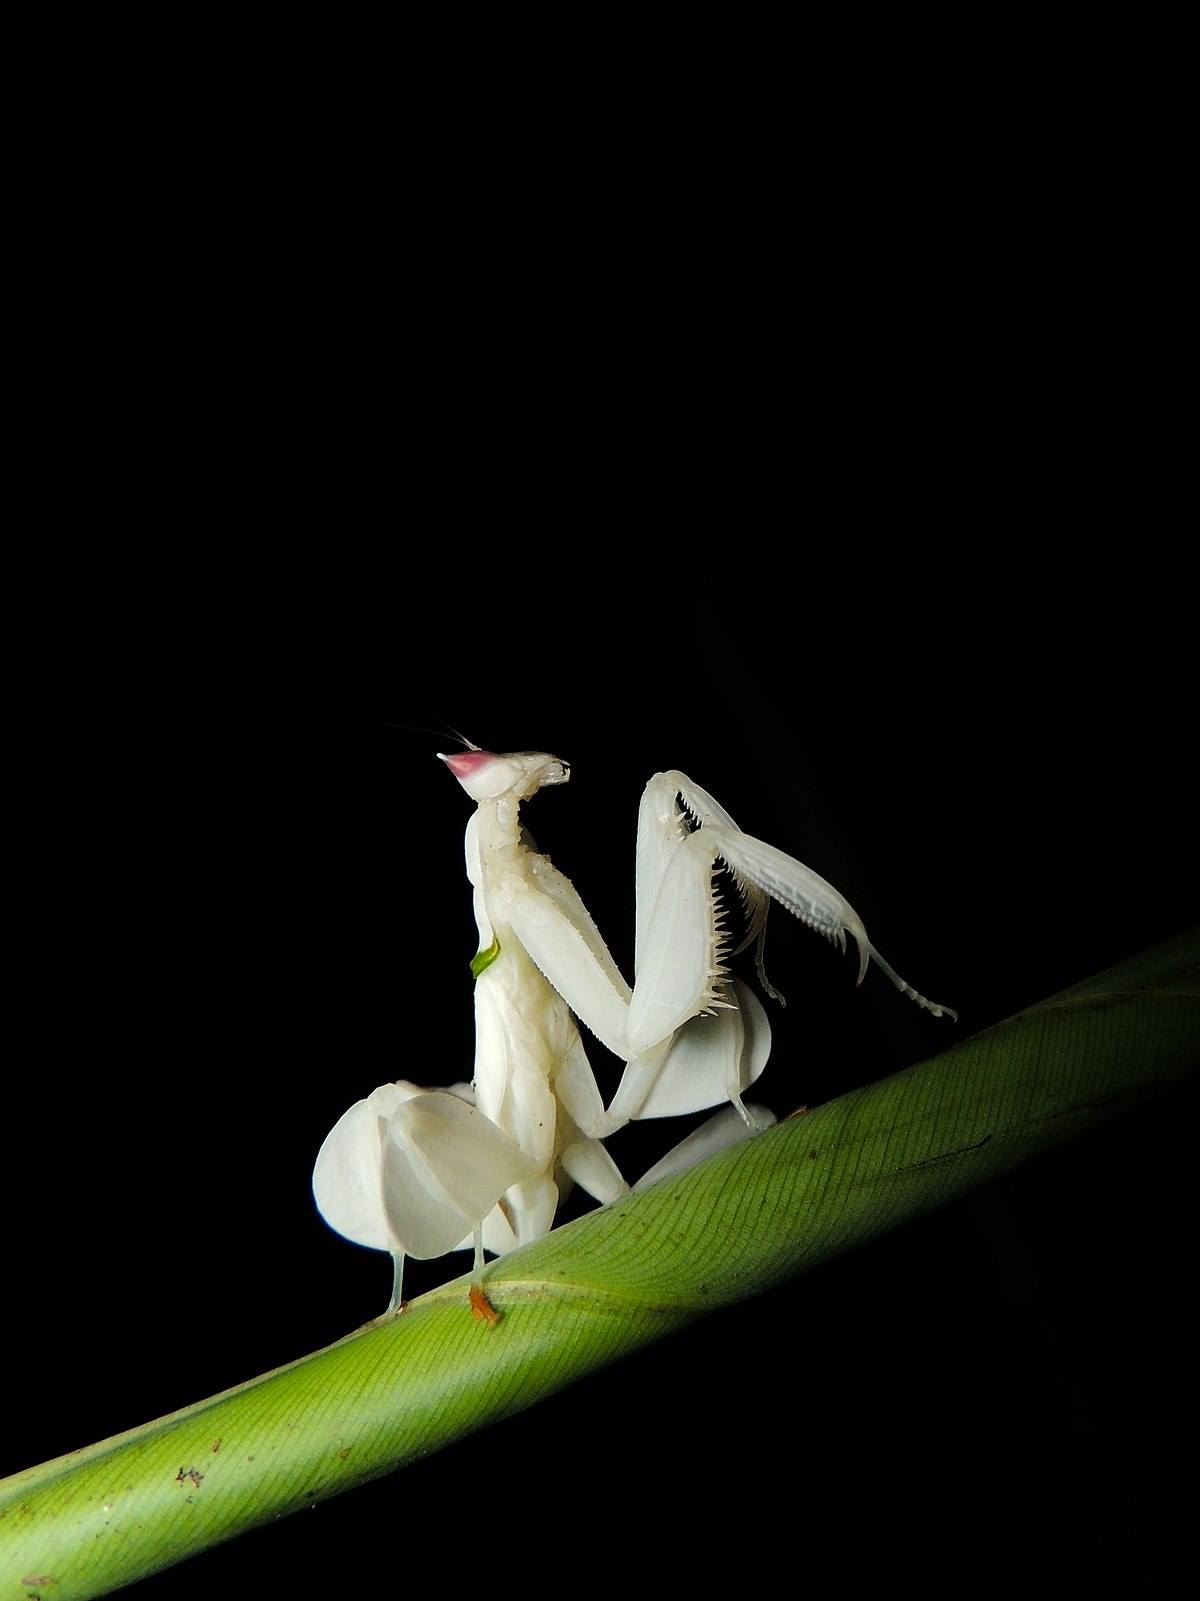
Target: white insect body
[(690, 1037), (532, 1075)]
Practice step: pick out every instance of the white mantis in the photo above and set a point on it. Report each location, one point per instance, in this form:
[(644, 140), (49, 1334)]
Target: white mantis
[(423, 1172)]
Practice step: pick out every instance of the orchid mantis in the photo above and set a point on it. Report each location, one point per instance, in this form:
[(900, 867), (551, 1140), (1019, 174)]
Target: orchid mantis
[(422, 1172)]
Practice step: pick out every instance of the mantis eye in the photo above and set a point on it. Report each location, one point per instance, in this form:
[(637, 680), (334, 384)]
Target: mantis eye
[(482, 773), (467, 763)]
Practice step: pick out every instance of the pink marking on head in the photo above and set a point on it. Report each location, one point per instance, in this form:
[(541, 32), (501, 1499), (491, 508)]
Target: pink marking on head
[(468, 762)]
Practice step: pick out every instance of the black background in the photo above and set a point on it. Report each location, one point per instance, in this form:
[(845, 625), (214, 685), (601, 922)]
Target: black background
[(880, 547)]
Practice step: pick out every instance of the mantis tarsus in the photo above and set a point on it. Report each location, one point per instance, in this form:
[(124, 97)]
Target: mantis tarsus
[(422, 1172)]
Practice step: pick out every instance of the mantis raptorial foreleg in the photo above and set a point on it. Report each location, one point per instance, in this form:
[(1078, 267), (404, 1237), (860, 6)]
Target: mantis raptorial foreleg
[(762, 870), (681, 986)]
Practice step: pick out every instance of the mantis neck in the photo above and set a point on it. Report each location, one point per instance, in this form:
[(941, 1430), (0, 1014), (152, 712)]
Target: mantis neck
[(499, 823), (494, 828)]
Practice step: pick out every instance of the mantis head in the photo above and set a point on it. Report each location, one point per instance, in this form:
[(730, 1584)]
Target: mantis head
[(486, 776)]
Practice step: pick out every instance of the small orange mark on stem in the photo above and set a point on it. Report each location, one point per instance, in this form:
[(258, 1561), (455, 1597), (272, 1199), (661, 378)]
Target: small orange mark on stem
[(481, 1307)]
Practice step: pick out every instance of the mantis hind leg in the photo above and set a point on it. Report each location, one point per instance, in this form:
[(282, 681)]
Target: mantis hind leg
[(396, 1304), (481, 1307)]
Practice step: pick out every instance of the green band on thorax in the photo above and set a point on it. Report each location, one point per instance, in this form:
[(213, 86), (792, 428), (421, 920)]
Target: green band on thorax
[(482, 960)]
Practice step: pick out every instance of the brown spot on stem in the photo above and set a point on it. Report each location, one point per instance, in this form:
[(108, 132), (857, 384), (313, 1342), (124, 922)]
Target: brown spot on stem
[(481, 1307)]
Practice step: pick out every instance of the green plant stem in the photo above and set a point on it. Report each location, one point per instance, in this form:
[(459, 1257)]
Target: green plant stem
[(601, 1287)]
